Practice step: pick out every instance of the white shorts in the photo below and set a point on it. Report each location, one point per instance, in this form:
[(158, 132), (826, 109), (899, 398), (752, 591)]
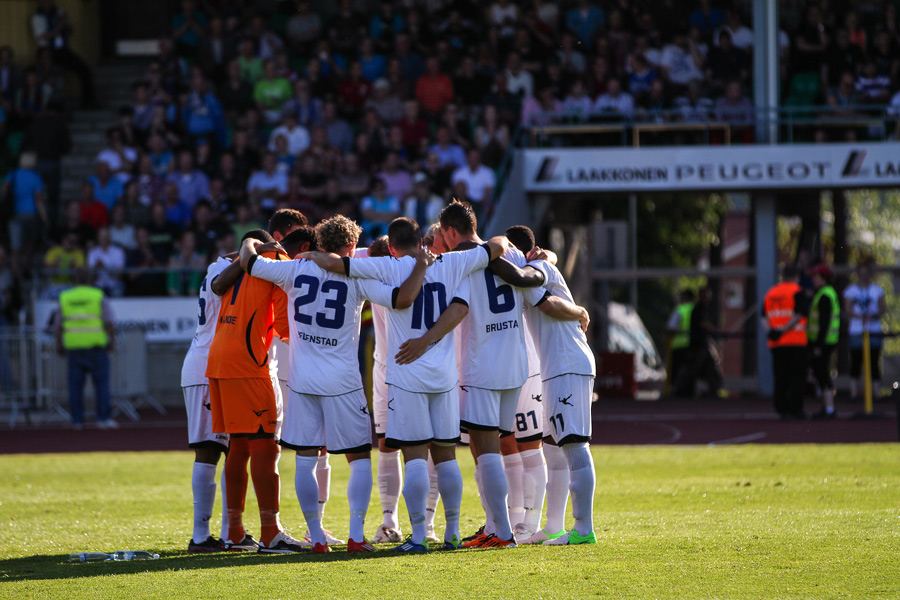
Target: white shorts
[(281, 396), (199, 417), (488, 410), (567, 406), (379, 397), (339, 422), (530, 411), (418, 418)]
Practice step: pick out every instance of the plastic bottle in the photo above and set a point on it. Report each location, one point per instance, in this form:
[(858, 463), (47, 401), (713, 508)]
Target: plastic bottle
[(134, 555), (89, 557)]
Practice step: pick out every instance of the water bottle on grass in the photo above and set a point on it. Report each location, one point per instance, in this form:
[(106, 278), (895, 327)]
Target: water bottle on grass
[(116, 556), (89, 557), (134, 555)]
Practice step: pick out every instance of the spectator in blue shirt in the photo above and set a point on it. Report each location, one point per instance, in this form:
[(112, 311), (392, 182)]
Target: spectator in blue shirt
[(411, 63), (449, 155), (29, 215), (202, 115), (107, 189), (188, 29), (378, 210), (193, 185), (584, 21), (177, 211), (373, 65), (384, 25), (706, 18)]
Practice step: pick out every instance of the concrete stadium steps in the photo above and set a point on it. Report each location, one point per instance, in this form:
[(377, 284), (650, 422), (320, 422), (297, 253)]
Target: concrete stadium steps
[(88, 127)]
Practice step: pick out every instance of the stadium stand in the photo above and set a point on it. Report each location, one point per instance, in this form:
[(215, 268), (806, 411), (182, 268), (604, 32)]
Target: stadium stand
[(312, 105)]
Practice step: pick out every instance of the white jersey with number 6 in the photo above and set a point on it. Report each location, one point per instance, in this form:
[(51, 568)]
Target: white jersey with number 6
[(325, 310), (193, 371), (435, 371), (492, 336)]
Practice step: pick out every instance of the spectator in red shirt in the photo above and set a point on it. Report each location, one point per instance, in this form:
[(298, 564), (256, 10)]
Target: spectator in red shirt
[(92, 212), (353, 91), (414, 128), (434, 89)]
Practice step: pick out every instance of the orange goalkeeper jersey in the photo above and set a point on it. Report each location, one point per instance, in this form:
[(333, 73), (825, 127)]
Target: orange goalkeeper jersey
[(250, 311)]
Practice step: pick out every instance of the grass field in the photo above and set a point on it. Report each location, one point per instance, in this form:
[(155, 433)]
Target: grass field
[(689, 522)]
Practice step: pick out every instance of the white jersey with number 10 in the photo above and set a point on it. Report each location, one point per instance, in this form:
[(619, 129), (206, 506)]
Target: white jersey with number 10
[(435, 371)]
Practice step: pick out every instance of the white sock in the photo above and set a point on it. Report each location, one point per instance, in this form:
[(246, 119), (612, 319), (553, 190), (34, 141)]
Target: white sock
[(488, 517), (584, 480), (224, 532), (323, 477), (359, 492), (557, 488), (203, 484), (415, 492), (493, 479), (307, 489), (434, 495), (534, 486), (512, 466), (390, 482), (451, 484)]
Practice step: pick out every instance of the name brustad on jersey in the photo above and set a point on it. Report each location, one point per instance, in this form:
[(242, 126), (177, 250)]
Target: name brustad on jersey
[(492, 327), (315, 339)]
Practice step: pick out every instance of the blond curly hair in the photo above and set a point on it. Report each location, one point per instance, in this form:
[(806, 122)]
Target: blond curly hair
[(337, 232), (433, 232)]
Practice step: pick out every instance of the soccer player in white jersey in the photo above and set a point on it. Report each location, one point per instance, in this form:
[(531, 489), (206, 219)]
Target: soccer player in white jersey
[(424, 395), (208, 446), (489, 395), (567, 371), (283, 222), (390, 471), (327, 404)]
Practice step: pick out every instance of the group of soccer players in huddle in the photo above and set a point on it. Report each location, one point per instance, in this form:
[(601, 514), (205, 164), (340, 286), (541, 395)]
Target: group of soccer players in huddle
[(475, 339)]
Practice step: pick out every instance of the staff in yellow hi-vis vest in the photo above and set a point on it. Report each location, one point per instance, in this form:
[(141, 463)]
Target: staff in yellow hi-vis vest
[(679, 336), (85, 333), (785, 310), (822, 335)]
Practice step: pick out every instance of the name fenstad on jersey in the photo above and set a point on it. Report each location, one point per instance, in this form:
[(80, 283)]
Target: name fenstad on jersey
[(492, 327), (315, 339)]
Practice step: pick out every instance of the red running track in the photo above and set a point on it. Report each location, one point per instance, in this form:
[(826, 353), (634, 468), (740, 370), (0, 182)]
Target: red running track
[(617, 422)]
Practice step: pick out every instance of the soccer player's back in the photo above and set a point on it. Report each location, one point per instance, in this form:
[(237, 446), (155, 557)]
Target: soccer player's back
[(567, 371), (424, 394), (208, 446), (489, 395), (327, 404)]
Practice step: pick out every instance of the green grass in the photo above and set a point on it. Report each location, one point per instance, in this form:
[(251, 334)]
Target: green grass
[(671, 522)]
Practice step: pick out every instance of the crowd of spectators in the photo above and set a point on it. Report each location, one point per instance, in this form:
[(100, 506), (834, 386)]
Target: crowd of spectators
[(376, 109)]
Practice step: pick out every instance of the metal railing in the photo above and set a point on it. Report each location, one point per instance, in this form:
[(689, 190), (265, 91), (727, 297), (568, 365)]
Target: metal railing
[(795, 124), (34, 378)]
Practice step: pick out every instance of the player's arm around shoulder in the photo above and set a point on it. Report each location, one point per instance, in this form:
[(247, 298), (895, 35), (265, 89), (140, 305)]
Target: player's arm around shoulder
[(523, 278), (563, 310), (252, 259), (412, 287), (224, 281), (497, 246), (327, 261), (413, 348)]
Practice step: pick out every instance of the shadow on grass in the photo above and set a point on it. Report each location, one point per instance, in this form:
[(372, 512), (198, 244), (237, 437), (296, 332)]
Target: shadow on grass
[(44, 567)]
